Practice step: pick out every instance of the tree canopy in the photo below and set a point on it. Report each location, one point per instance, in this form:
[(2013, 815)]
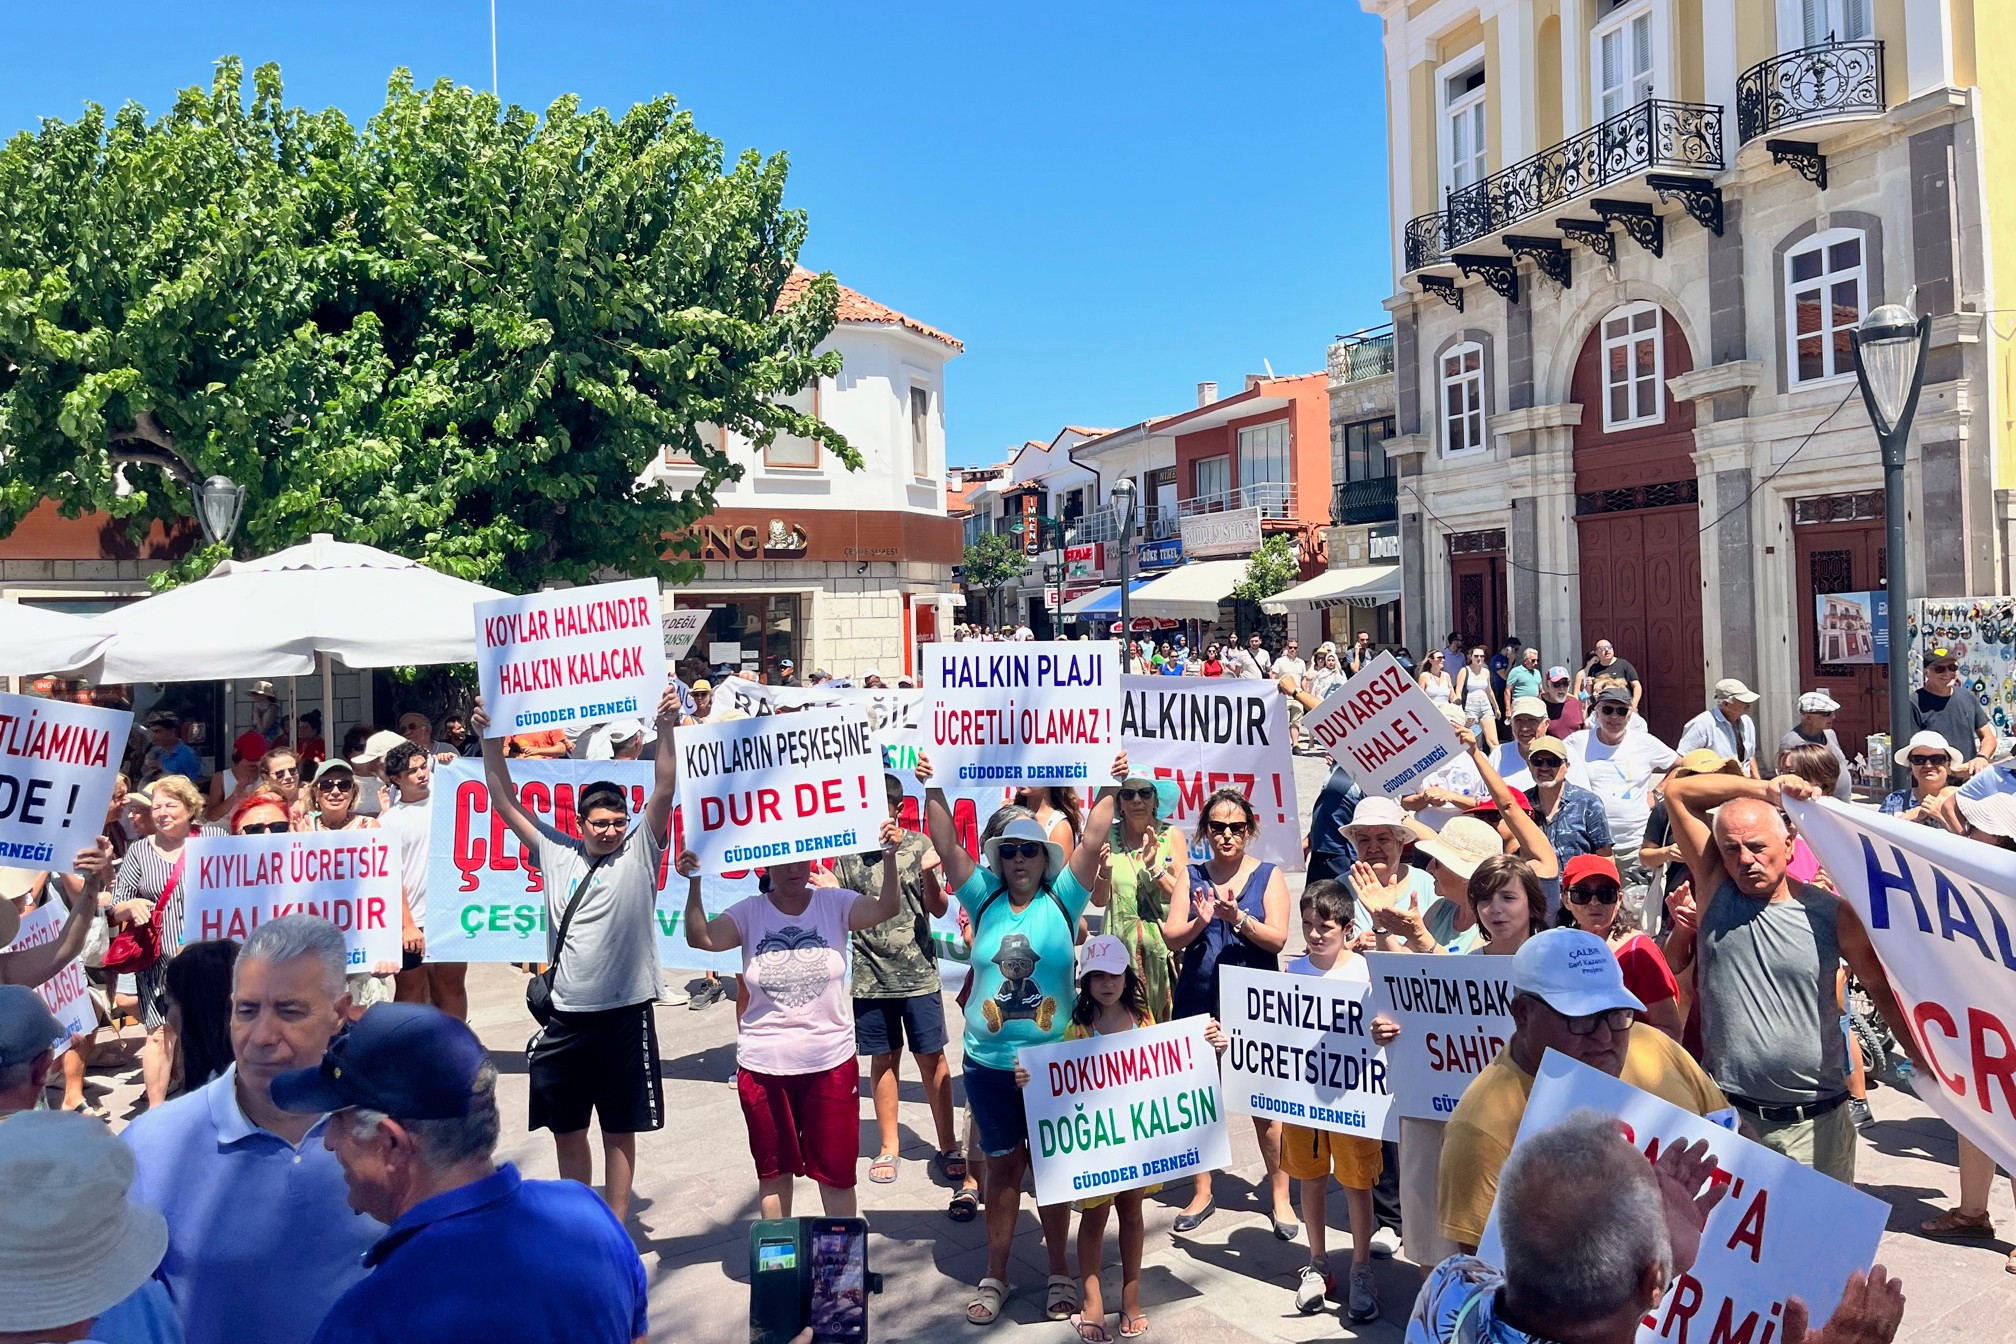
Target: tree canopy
[(992, 562), (459, 332), (1273, 568)]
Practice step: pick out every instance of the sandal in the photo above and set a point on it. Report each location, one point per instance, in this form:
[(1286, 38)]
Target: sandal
[(882, 1171), (951, 1165), (1092, 1332), (1060, 1298), (988, 1299), (1133, 1327), (965, 1206), (1955, 1225)]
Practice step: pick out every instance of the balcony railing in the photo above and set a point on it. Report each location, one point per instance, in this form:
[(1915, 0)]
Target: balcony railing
[(1833, 79), (1364, 355), (1424, 240), (1373, 501), (1656, 134), (1151, 523), (1274, 499)]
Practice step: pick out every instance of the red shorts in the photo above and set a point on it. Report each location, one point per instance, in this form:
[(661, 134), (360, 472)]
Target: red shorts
[(804, 1124)]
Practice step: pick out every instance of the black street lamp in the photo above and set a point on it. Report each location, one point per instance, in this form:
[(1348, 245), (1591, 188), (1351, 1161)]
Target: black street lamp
[(219, 500), (1890, 348), (1123, 505)]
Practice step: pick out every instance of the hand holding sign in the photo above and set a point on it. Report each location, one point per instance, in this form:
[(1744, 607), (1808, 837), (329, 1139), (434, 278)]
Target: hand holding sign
[(1681, 1169)]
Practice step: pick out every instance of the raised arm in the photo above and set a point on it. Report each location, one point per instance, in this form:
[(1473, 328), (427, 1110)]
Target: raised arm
[(35, 965), (719, 934), (941, 830), (1689, 800), (1526, 833), (497, 774), (886, 904), (665, 776), (1085, 859)]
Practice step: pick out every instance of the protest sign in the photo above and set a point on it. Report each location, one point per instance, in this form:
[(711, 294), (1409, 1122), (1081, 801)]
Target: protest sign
[(1300, 1049), (58, 762), (486, 898), (235, 883), (1783, 1230), (1383, 729), (1939, 912), (681, 628), (66, 993), (1455, 1015), (780, 788), (1215, 734), (1113, 1113), (570, 657), (1044, 712)]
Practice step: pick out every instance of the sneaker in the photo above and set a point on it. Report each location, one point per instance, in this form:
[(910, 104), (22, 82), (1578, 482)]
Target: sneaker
[(1858, 1111), (673, 998), (1364, 1304), (1310, 1289), (1385, 1244), (709, 993)]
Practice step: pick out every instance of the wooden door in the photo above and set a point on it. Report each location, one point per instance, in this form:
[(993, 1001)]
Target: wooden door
[(1641, 590), (1477, 599), (1844, 557)]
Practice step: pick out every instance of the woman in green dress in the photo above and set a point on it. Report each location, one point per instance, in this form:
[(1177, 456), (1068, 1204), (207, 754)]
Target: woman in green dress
[(1145, 862)]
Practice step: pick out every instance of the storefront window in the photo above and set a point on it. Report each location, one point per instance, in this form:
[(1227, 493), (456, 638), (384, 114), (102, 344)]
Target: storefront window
[(747, 635)]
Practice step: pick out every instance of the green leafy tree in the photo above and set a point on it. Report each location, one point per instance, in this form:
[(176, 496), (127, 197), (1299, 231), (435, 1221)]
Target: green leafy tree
[(1272, 569), (992, 562), (460, 332)]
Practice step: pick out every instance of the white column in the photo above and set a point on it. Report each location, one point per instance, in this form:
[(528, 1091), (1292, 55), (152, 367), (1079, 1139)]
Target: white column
[(1575, 114), (1514, 78), (1718, 65), (1928, 42)]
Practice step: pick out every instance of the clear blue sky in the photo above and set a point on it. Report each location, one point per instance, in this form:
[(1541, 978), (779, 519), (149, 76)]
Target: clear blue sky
[(1108, 202)]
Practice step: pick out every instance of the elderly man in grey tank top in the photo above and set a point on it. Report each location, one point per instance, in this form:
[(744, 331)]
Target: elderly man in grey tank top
[(1767, 969)]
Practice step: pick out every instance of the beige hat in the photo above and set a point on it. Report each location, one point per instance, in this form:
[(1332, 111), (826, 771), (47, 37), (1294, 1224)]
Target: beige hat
[(264, 688), (1461, 844), (1454, 713), (376, 745), (72, 1242), (1378, 814), (1529, 707), (1731, 689)]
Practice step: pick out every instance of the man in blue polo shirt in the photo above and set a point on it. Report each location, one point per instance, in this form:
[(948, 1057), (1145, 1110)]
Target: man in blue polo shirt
[(414, 1124)]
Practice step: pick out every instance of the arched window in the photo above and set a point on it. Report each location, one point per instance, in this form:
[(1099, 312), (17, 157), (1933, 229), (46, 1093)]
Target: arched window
[(1826, 291), (1634, 367), (1462, 388)]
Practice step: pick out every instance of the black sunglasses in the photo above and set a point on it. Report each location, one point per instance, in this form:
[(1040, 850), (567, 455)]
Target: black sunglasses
[(1615, 711), (1550, 762), (1136, 795), (1021, 849), (1600, 892), (1617, 1019), (1927, 761), (1227, 827), (1943, 667), (335, 785), (265, 828)]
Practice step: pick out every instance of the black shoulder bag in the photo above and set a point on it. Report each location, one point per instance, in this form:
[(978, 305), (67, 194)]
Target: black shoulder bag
[(539, 989)]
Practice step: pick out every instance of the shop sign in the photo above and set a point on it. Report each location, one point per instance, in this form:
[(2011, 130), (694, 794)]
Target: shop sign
[(1086, 561), (1385, 543), (1156, 554), (746, 541), (1235, 532), (1072, 592), (1031, 533)]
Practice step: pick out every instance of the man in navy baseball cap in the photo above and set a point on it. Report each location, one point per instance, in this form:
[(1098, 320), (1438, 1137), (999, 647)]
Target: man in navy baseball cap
[(412, 1102)]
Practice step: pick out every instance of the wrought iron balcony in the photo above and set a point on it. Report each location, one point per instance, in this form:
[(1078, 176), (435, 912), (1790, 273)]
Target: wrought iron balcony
[(1424, 241), (1657, 134), (1373, 501), (1367, 354), (1274, 499), (1833, 79)]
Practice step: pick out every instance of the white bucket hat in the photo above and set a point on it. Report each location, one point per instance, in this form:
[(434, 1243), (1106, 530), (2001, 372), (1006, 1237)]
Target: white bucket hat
[(1928, 740), (1378, 814), (73, 1244), (1023, 829)]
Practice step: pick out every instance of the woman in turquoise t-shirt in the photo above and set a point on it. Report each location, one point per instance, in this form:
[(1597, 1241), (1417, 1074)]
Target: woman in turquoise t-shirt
[(1023, 908)]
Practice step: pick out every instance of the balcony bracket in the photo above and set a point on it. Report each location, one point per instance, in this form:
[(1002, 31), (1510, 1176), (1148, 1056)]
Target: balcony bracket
[(1640, 222), (1593, 234), (1702, 198), (1501, 273), (1804, 156), (1549, 256), (1443, 287)]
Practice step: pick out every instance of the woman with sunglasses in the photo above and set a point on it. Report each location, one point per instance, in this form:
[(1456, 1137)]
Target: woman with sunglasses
[(1932, 761), (330, 804), (152, 875), (1592, 895), (1435, 681), (1236, 915), (1062, 815), (1142, 876), (1214, 666), (1473, 693), (280, 772), (1326, 674)]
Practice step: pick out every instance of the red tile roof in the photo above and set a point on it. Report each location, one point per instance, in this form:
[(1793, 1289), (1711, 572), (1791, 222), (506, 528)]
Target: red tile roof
[(858, 307)]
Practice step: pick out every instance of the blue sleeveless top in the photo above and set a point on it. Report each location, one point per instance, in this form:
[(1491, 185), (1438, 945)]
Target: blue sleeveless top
[(1197, 976)]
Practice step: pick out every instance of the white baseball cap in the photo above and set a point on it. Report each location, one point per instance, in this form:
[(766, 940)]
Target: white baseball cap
[(1573, 972), (1104, 953)]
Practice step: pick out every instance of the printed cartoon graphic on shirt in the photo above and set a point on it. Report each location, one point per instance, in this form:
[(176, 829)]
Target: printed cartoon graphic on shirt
[(1019, 997), (791, 967)]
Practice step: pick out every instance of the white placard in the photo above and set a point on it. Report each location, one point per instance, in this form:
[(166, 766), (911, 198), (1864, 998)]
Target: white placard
[(1455, 1015), (1940, 914), (1301, 1050), (681, 628), (781, 788), (58, 762), (1383, 729), (66, 993), (1783, 1230), (570, 657), (724, 655), (1210, 734), (1042, 712), (1113, 1113), (235, 883)]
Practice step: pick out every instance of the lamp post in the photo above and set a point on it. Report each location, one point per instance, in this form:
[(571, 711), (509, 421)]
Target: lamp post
[(1123, 505), (1890, 348), (219, 500)]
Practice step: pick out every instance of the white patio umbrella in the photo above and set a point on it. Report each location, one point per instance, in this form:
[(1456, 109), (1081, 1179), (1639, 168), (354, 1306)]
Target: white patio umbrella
[(34, 640)]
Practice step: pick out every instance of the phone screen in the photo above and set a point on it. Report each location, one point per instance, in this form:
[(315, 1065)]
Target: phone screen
[(839, 1283)]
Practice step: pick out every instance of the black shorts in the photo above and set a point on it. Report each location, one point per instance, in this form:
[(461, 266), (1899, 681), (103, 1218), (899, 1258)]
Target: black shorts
[(603, 1062), (882, 1025), (411, 961)]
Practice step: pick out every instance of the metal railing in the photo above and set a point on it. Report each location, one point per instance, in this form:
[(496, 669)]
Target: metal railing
[(1274, 499), (1373, 501), (1151, 523), (1657, 134), (1831, 79), (1366, 354), (1424, 240)]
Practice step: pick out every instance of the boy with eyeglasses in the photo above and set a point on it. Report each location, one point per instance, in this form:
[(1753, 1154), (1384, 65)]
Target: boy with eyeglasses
[(1942, 705)]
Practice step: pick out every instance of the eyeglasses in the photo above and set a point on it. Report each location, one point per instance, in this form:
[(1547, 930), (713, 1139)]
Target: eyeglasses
[(335, 785), (1943, 667), (1545, 763), (1021, 849), (1927, 762), (1226, 827), (288, 773), (1600, 892), (264, 828), (1615, 711), (1136, 795), (1617, 1019)]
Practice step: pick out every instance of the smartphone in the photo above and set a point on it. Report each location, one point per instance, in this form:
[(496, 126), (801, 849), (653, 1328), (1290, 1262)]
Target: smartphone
[(776, 1293), (839, 1254)]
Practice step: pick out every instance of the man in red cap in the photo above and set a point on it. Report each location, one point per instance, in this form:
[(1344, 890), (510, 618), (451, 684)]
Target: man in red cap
[(228, 788)]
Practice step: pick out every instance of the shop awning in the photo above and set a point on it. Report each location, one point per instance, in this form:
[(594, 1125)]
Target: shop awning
[(1191, 593), (1356, 586), (1105, 602)]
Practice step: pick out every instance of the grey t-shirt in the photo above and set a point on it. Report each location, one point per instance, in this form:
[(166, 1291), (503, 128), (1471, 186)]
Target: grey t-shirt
[(611, 960), (1957, 717), (1770, 1024)]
